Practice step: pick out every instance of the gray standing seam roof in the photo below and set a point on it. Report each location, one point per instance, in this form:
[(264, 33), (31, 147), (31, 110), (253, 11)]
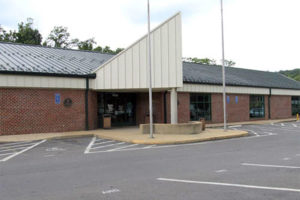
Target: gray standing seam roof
[(212, 74), (31, 58)]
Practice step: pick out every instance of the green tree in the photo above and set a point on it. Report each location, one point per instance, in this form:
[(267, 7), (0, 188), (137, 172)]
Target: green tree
[(98, 48), (86, 45), (205, 61), (107, 49), (59, 37), (229, 63), (118, 50), (7, 36), (27, 34), (294, 74)]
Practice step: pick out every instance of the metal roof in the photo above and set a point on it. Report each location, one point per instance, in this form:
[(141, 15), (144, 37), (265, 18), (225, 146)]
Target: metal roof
[(212, 74), (31, 58)]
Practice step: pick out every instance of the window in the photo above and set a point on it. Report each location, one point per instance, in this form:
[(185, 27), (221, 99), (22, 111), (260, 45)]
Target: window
[(295, 105), (257, 106), (200, 106)]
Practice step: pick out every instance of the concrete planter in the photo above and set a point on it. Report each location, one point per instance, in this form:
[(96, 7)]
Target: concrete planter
[(176, 129)]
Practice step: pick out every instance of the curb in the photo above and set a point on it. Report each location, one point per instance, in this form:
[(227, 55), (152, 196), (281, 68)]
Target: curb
[(244, 133), (250, 123)]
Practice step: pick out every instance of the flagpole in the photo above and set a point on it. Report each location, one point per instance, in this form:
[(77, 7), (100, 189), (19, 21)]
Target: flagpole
[(150, 75), (223, 70)]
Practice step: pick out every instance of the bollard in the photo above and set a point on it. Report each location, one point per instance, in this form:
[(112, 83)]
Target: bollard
[(298, 117)]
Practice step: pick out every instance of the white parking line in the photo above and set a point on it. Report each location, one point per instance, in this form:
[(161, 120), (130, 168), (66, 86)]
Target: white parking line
[(92, 148), (231, 185), (110, 141), (122, 147), (16, 145), (22, 151), (274, 166), (235, 126), (221, 171), (90, 145), (12, 143)]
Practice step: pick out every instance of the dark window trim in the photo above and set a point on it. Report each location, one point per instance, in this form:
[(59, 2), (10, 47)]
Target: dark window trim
[(264, 107)]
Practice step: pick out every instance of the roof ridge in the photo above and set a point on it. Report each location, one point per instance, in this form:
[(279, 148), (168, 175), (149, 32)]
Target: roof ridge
[(37, 45)]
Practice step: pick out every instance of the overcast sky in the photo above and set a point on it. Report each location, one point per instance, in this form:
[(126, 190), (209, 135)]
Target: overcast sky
[(259, 34)]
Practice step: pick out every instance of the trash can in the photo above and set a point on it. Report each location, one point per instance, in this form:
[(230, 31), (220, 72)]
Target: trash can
[(203, 123), (106, 121)]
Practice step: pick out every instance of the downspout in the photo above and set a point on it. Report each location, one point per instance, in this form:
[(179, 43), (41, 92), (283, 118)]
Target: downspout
[(165, 107), (87, 104), (269, 103)]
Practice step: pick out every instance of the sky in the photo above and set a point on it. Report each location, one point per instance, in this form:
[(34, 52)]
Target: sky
[(259, 34)]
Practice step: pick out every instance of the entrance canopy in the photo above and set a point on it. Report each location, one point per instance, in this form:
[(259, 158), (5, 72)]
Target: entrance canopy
[(129, 70)]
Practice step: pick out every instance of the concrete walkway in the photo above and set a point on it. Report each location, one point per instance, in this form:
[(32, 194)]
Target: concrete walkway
[(257, 122), (131, 135)]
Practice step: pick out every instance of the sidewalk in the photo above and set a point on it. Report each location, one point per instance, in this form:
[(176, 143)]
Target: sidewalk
[(131, 135), (252, 122)]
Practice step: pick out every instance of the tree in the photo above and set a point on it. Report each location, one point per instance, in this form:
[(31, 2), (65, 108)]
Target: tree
[(229, 63), (118, 50), (7, 36), (86, 45), (205, 61), (27, 34), (107, 50), (59, 37), (98, 48)]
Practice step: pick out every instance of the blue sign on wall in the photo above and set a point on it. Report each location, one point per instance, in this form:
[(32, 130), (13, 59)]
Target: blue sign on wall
[(228, 99), (236, 99), (57, 98)]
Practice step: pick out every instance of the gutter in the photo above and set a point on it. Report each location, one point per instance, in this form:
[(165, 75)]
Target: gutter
[(92, 76)]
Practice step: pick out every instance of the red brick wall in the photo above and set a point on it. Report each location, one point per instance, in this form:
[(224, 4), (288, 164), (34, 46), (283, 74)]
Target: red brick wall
[(183, 109), (236, 112), (34, 111), (142, 107), (281, 107)]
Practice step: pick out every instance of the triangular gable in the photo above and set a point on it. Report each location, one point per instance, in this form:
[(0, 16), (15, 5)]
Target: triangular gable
[(129, 69)]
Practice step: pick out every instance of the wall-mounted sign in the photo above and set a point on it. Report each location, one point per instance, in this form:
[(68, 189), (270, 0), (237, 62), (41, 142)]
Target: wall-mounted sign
[(57, 98), (68, 102)]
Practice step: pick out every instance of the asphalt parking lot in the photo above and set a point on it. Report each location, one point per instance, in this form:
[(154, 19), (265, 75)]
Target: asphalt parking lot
[(263, 165)]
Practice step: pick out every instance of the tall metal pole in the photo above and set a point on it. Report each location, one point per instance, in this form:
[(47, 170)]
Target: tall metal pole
[(223, 70), (150, 76)]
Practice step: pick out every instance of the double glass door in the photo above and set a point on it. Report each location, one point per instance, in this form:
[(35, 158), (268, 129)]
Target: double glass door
[(120, 106)]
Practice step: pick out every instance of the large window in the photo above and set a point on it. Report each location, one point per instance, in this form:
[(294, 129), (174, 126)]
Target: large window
[(200, 106), (295, 105), (257, 106)]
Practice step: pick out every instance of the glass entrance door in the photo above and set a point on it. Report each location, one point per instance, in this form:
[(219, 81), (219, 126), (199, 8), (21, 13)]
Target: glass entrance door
[(120, 106)]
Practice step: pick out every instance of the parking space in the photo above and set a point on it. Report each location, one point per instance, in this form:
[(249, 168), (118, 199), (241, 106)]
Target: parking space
[(13, 149), (99, 145), (263, 165)]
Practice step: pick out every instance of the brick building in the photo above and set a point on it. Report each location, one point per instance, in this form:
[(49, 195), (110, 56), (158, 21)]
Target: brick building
[(46, 89)]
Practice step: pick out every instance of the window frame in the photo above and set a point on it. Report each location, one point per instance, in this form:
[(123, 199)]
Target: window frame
[(293, 104), (206, 100), (263, 108)]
